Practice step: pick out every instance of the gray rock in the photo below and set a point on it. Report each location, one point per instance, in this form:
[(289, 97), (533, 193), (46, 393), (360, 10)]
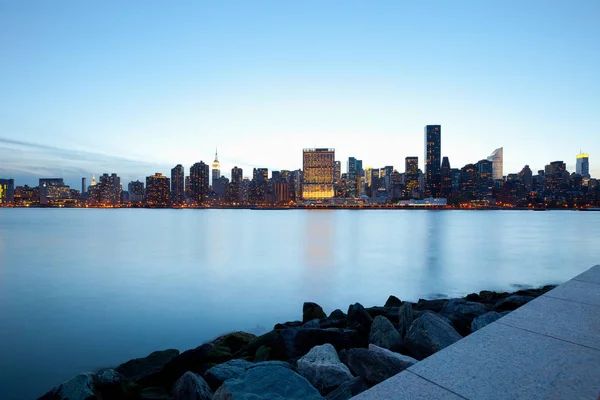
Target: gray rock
[(406, 318), (429, 334), (322, 367), (409, 361), (337, 314), (359, 319), (435, 305), (79, 387), (311, 311), (110, 377), (313, 323), (461, 313), (484, 319), (262, 354), (348, 389), (512, 303), (191, 387), (218, 374), (140, 368), (383, 334), (393, 301), (267, 383), (376, 365), (154, 393)]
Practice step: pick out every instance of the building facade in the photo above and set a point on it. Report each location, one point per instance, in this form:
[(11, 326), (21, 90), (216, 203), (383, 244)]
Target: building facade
[(497, 159), (7, 191), (216, 169), (433, 160), (583, 165), (136, 192), (318, 166), (157, 190), (237, 175), (177, 185), (52, 189), (199, 182)]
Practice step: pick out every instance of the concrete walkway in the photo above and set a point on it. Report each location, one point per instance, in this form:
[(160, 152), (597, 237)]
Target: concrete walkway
[(547, 349)]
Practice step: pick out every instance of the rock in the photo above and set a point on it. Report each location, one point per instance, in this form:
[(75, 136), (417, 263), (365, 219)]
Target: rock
[(262, 354), (267, 383), (461, 313), (512, 303), (430, 305), (329, 322), (154, 393), (405, 318), (376, 365), (484, 319), (359, 319), (191, 387), (110, 377), (393, 301), (348, 389), (383, 334), (429, 334), (322, 367), (140, 368), (337, 314), (473, 297), (79, 387), (391, 313), (289, 324), (218, 374), (269, 339), (388, 353), (312, 311), (306, 339), (313, 323), (235, 341)]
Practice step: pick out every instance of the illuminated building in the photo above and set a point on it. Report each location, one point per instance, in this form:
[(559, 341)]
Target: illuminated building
[(412, 186), (485, 182), (446, 178), (27, 196), (554, 176), (177, 184), (583, 165), (188, 184), (275, 175), (468, 181), (216, 169), (281, 189), (353, 177), (7, 190), (526, 177), (497, 164), (318, 166), (260, 174), (337, 172), (368, 176), (93, 179), (157, 190), (49, 191), (433, 160), (236, 175), (199, 182), (110, 189), (136, 192)]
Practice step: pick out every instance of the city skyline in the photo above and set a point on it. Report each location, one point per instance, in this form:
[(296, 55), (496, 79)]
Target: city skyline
[(140, 88)]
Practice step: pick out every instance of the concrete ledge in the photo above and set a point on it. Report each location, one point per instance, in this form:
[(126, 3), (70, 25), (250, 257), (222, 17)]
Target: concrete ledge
[(547, 349)]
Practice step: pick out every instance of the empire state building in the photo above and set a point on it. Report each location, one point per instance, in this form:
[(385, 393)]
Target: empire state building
[(216, 169)]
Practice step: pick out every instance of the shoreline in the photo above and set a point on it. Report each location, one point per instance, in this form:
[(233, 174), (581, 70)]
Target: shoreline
[(361, 347)]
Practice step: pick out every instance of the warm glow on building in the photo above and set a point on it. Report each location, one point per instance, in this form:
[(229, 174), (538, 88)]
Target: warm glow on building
[(319, 171)]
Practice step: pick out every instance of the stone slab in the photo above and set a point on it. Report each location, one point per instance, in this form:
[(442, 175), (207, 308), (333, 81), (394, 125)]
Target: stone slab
[(407, 386), (504, 362), (561, 319), (592, 275), (578, 291)]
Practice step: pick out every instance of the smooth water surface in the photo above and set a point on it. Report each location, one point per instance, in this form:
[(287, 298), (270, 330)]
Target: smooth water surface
[(82, 289)]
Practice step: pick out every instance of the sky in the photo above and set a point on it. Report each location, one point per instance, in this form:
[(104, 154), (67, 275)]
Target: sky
[(136, 87)]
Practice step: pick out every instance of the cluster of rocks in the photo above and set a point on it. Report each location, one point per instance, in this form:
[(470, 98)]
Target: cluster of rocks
[(333, 357)]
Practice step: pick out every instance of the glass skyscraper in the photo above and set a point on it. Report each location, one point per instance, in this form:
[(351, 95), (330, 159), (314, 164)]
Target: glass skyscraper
[(319, 169), (583, 165), (497, 160), (433, 160)]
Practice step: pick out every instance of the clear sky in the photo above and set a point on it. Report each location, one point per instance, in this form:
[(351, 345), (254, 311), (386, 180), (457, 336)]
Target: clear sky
[(135, 87)]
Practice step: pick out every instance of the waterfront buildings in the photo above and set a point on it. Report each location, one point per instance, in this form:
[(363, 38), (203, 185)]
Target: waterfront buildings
[(353, 181), (199, 182), (7, 190), (177, 184), (157, 190), (109, 189), (433, 160), (236, 175), (337, 174), (136, 192), (497, 159), (583, 165), (318, 167), (52, 189), (446, 178), (411, 177)]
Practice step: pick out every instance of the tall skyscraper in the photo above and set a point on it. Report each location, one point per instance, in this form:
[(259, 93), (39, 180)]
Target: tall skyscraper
[(7, 190), (446, 177), (583, 165), (236, 175), (412, 185), (157, 190), (433, 160), (337, 174), (109, 189), (497, 158), (199, 175), (216, 169), (318, 166), (260, 174), (83, 185), (136, 192), (177, 184), (353, 177)]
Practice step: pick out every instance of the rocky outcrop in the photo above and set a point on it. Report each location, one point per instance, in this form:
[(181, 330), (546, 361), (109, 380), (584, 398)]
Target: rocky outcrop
[(348, 389), (383, 334), (393, 301), (360, 320), (512, 303), (267, 383), (191, 387), (322, 367), (484, 319), (107, 384), (429, 334), (461, 313), (375, 364), (338, 314), (139, 369), (234, 369), (406, 317), (312, 311)]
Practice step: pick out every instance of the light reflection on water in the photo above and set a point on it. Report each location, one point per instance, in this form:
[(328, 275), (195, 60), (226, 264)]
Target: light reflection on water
[(80, 289)]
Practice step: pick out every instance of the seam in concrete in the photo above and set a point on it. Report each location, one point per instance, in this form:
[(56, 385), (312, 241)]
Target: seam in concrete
[(569, 300), (581, 280), (548, 336), (437, 384)]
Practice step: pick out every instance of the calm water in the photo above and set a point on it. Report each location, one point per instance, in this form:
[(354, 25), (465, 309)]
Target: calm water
[(82, 289)]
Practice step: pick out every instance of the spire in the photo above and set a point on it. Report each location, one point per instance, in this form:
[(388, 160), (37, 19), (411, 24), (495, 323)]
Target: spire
[(216, 154)]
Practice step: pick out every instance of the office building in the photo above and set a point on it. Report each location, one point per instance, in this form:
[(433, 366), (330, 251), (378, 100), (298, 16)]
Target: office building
[(318, 166), (554, 176), (136, 192), (216, 169), (236, 175), (260, 174), (177, 185), (353, 177), (109, 189), (433, 160), (51, 190), (83, 185), (412, 186), (157, 190), (497, 164), (199, 176), (7, 191), (583, 165), (446, 178), (337, 172)]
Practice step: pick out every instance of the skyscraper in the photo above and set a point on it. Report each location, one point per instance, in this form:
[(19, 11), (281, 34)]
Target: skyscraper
[(109, 189), (497, 160), (177, 184), (260, 174), (52, 189), (216, 169), (583, 165), (318, 166), (157, 190), (136, 192), (353, 177), (199, 175), (412, 185), (7, 190), (433, 159), (446, 178), (236, 175), (337, 174), (83, 185)]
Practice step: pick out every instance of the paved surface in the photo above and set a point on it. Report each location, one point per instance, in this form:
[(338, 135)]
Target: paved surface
[(547, 349)]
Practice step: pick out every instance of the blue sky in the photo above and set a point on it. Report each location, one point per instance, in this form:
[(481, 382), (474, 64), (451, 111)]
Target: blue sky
[(137, 87)]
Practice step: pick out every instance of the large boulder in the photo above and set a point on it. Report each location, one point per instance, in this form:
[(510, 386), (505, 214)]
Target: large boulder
[(338, 314), (485, 319), (191, 387), (512, 302), (313, 323), (329, 322), (268, 340), (267, 383), (461, 313), (383, 334), (297, 342), (359, 319), (375, 364), (435, 305), (140, 368), (393, 301), (218, 374), (429, 334), (406, 317), (311, 311), (390, 313), (79, 387), (348, 389), (234, 341), (322, 367)]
